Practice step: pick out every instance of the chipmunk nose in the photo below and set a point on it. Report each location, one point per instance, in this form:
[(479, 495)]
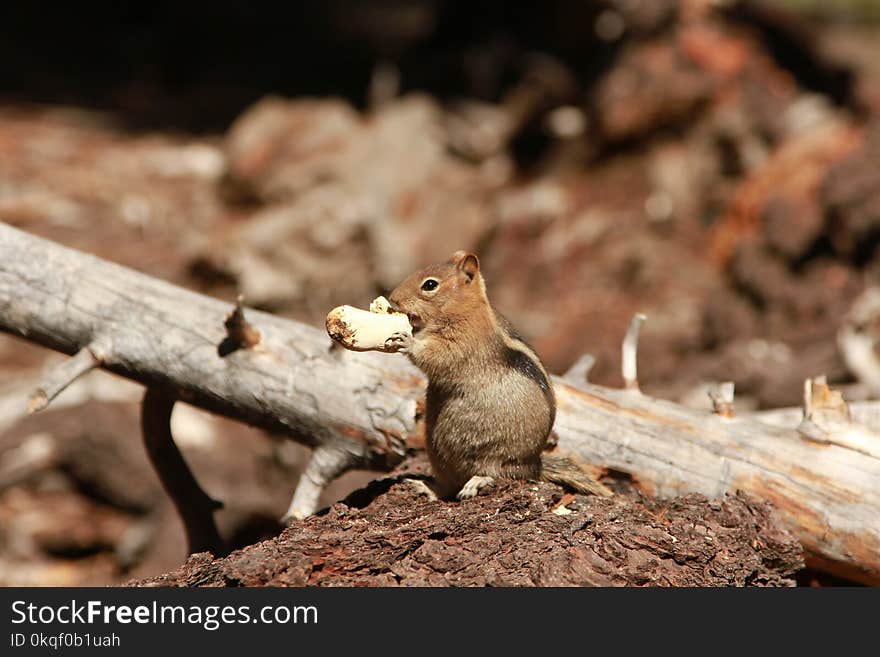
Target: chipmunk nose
[(394, 307)]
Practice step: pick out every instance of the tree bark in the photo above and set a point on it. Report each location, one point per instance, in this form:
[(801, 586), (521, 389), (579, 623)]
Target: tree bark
[(364, 405), (515, 534)]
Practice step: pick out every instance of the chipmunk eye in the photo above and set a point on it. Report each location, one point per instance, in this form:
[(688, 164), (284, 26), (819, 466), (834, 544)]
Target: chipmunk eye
[(430, 284)]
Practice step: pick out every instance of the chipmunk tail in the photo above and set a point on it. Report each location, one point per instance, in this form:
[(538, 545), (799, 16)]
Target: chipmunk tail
[(568, 473)]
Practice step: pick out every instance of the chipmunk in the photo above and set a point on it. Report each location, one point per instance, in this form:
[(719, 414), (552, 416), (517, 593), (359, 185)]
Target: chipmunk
[(490, 405)]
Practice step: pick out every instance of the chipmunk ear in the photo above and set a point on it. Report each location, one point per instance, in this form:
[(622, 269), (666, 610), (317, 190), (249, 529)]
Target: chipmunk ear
[(466, 263)]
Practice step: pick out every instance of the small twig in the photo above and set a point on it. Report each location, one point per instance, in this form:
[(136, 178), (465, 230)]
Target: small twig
[(85, 360), (36, 453), (828, 419), (629, 351), (858, 335), (579, 372), (820, 398), (824, 409), (239, 334), (195, 507), (808, 398), (327, 463), (722, 395), (384, 85), (134, 542), (857, 349)]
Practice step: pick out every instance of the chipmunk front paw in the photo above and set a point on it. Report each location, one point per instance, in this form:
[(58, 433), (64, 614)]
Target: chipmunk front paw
[(398, 342), (421, 488)]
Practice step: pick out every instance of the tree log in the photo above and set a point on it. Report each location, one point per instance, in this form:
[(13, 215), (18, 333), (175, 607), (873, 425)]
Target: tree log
[(360, 409)]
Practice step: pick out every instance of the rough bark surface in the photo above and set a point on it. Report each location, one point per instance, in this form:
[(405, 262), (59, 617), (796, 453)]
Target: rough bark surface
[(513, 536)]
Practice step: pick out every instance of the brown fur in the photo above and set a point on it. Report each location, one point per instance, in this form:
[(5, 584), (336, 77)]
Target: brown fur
[(490, 405)]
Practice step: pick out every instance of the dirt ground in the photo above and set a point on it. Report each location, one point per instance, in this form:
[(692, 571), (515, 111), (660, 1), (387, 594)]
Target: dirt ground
[(717, 170)]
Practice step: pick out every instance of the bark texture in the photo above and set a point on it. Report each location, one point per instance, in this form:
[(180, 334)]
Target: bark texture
[(517, 535)]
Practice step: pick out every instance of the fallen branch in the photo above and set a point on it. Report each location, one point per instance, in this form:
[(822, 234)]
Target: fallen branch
[(85, 360), (194, 505), (629, 354), (362, 407)]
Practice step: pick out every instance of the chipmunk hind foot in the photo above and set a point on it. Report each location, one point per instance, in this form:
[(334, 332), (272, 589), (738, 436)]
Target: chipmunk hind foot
[(473, 487)]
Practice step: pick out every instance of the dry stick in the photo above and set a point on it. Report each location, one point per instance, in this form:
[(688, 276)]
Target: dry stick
[(239, 333), (36, 454), (384, 85), (828, 419), (85, 360), (364, 405), (579, 372), (857, 349), (195, 507), (629, 351), (722, 396), (324, 466), (856, 339)]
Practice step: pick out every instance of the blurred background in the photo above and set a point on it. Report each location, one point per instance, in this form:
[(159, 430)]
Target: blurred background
[(714, 164)]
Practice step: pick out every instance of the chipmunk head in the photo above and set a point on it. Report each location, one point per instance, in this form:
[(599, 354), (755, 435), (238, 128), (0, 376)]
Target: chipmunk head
[(442, 295)]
